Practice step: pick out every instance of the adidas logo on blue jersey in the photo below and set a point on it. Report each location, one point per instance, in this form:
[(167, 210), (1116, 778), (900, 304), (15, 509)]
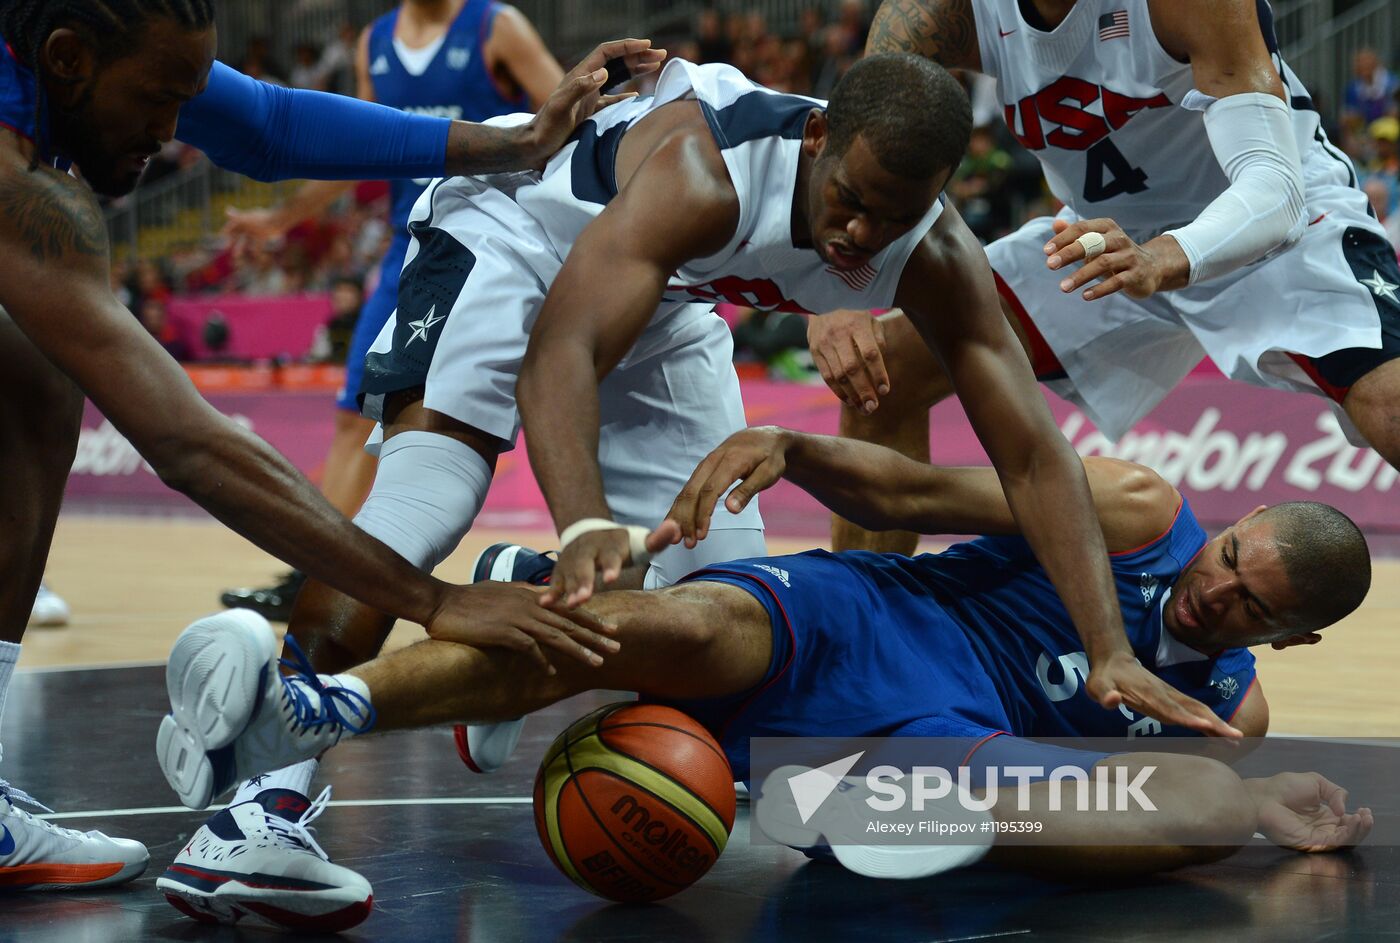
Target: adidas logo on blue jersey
[(380, 67), (1148, 584), (782, 575), (457, 59)]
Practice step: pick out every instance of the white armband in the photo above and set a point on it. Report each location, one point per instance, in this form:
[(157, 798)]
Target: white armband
[(1264, 208), (636, 536)]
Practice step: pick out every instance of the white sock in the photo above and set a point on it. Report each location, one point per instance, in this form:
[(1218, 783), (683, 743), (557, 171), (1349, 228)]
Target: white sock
[(296, 777), (355, 685), (9, 657)]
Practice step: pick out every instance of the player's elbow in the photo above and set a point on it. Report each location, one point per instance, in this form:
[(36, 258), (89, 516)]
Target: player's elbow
[(175, 463)]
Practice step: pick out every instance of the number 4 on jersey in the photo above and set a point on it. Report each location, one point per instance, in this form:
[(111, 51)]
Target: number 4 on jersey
[(1107, 173)]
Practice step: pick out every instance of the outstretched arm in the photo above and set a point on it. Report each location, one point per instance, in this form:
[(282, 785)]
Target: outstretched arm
[(948, 293), (272, 133), (54, 284), (678, 205), (879, 489)]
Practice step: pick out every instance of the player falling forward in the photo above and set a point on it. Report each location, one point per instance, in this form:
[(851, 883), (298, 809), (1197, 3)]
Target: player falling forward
[(801, 646), (100, 86), (1219, 220), (464, 59)]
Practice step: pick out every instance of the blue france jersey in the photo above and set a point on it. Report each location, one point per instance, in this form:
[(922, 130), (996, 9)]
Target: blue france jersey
[(17, 91), (1012, 617), (456, 83)]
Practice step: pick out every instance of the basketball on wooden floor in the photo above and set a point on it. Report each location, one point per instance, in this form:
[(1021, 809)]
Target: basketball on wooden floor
[(634, 802)]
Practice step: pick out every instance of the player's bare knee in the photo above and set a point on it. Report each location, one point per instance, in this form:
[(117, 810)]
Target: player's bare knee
[(689, 614)]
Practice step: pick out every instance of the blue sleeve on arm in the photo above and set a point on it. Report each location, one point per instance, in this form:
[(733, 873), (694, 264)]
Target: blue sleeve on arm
[(271, 133)]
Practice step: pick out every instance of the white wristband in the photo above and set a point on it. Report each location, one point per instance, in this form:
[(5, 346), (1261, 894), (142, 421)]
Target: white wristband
[(636, 536)]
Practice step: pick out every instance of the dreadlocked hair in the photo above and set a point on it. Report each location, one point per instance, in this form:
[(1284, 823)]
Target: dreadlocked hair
[(112, 26)]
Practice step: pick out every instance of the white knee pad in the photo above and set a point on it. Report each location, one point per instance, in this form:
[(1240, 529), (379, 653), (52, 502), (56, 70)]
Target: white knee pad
[(426, 493), (672, 564)]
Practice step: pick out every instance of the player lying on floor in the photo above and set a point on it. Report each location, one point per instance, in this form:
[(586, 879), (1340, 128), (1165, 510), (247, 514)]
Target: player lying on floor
[(862, 644)]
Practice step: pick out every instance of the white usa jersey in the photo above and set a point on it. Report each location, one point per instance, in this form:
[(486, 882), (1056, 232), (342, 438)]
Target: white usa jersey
[(1115, 121), (759, 133)]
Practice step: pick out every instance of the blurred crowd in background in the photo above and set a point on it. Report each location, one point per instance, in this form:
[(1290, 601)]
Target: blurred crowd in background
[(998, 186)]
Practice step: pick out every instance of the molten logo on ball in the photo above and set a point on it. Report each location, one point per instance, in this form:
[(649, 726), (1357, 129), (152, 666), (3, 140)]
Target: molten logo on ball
[(667, 842), (634, 802)]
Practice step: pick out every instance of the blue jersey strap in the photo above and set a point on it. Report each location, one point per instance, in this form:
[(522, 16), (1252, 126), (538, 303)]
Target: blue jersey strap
[(271, 133)]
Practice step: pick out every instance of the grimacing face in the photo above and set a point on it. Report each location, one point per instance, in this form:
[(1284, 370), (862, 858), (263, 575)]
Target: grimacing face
[(112, 117), (1235, 593), (855, 208)]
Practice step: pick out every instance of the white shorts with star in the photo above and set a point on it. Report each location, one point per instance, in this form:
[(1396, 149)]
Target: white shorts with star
[(1302, 320)]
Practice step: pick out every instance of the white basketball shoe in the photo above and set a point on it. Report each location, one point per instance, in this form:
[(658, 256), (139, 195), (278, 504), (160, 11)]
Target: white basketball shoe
[(36, 855), (484, 748), (258, 859), (50, 611), (839, 825), (234, 715)]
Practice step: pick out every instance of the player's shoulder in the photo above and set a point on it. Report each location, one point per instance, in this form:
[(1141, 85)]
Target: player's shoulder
[(1136, 505), (53, 218)]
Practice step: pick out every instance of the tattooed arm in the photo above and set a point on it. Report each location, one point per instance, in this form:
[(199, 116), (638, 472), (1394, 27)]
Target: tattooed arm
[(943, 30)]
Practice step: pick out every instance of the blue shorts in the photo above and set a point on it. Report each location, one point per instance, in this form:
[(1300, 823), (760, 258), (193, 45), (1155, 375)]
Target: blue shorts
[(861, 648), (373, 317)]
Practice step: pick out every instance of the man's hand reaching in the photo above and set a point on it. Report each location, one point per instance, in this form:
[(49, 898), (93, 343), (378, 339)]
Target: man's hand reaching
[(580, 95), (1121, 680), (515, 617), (596, 558), (848, 350)]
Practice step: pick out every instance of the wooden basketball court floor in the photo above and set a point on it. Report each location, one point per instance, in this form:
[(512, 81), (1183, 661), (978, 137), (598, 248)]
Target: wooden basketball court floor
[(454, 856)]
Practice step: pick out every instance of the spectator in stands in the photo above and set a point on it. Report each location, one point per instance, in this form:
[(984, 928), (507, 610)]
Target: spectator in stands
[(979, 186), (257, 62), (1383, 167), (1380, 196), (154, 316), (853, 25), (332, 343), (338, 60), (710, 37), (1371, 93), (307, 68), (776, 339)]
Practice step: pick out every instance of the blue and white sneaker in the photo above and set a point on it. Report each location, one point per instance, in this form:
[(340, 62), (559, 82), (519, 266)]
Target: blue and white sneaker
[(258, 859), (234, 715), (486, 747)]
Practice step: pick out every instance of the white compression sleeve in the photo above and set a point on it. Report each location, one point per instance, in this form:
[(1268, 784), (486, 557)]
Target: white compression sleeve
[(427, 492), (1264, 208)]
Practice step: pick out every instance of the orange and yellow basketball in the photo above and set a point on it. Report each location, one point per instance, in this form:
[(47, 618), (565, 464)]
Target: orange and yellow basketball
[(634, 802)]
